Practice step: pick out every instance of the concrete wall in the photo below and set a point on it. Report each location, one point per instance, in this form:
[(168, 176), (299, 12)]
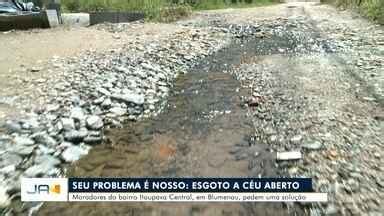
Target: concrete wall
[(75, 19)]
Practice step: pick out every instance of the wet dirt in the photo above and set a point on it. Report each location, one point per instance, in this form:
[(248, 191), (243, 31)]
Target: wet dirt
[(203, 132)]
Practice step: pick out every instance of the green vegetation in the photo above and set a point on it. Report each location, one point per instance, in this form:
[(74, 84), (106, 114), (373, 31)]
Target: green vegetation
[(163, 10), (220, 4), (111, 5), (373, 9), (152, 8)]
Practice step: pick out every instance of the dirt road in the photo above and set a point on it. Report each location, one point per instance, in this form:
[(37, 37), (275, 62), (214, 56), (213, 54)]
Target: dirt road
[(29, 58), (295, 77)]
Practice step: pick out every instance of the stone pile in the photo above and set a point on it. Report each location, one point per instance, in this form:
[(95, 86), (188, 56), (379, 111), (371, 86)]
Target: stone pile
[(298, 34), (312, 104), (97, 91), (363, 51)]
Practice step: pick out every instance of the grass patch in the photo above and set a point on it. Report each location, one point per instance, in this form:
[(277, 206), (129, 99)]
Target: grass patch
[(172, 13), (221, 4), (151, 8), (372, 9), (111, 5), (161, 10)]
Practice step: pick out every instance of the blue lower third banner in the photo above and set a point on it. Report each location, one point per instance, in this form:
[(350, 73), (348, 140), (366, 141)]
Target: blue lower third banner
[(170, 190)]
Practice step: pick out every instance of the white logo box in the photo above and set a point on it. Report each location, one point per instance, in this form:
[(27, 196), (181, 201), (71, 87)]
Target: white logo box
[(44, 189)]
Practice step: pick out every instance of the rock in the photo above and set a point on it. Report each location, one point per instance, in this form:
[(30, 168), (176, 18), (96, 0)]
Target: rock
[(30, 124), (52, 107), (13, 127), (150, 67), (98, 101), (353, 209), (94, 122), (23, 150), (241, 156), (95, 133), (129, 98), (77, 113), (369, 99), (380, 182), (76, 101), (374, 213), (377, 155), (331, 210), (14, 184), (123, 69), (44, 138), (45, 165), (76, 135), (64, 145), (8, 169), (5, 139), (67, 124), (283, 156), (316, 145), (106, 103), (254, 101), (42, 149), (35, 69), (33, 207), (115, 123), (164, 89), (7, 100), (23, 141), (4, 198), (47, 159), (73, 153), (352, 185), (119, 111), (9, 158), (40, 170), (93, 140), (109, 84), (104, 91), (296, 139)]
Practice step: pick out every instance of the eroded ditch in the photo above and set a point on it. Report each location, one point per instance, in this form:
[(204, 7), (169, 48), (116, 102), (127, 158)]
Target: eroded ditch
[(204, 131)]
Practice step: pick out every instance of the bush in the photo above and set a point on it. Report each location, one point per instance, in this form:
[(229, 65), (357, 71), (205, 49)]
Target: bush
[(373, 9), (71, 5), (112, 5), (164, 10), (174, 12), (217, 4)]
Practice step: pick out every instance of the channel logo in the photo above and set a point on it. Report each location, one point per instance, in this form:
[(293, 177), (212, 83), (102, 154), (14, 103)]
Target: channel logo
[(44, 189)]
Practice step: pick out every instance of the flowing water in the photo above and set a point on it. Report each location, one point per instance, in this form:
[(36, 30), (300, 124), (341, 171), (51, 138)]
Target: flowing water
[(203, 132)]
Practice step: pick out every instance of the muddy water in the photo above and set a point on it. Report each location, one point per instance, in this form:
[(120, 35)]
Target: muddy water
[(203, 132)]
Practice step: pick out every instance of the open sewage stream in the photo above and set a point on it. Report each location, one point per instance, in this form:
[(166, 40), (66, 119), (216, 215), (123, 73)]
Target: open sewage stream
[(204, 131)]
